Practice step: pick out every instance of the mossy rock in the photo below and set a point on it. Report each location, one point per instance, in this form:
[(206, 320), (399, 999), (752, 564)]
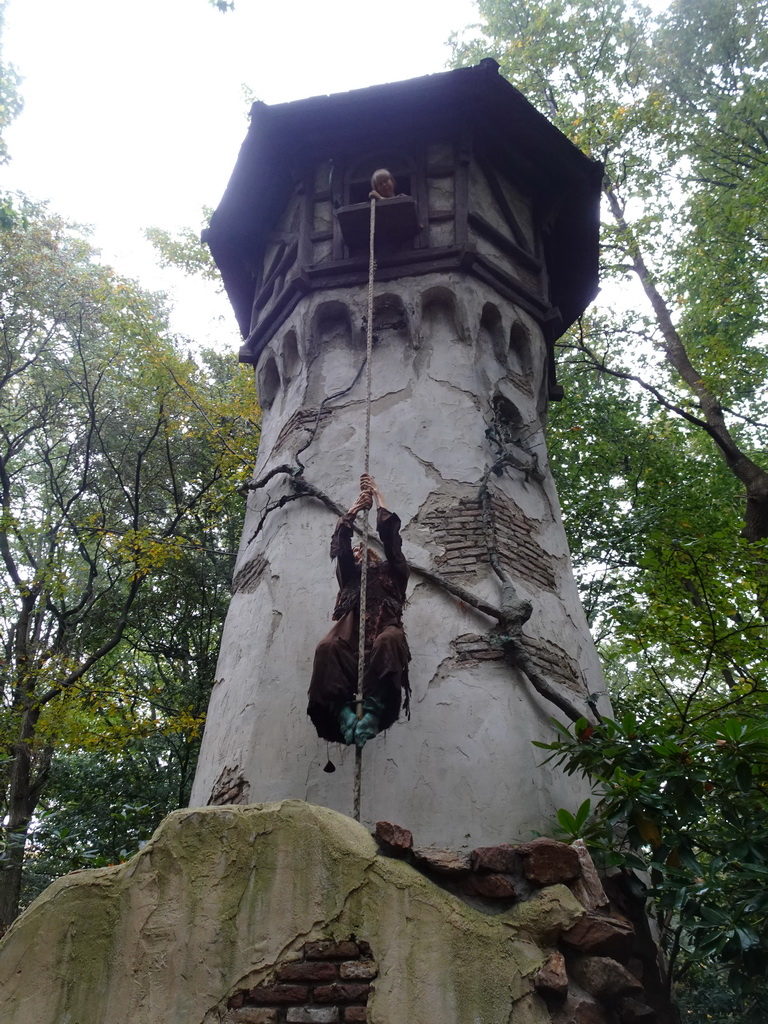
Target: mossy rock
[(220, 896)]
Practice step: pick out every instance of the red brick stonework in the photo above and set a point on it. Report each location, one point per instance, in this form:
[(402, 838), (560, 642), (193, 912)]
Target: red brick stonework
[(458, 530), (602, 969), (247, 578), (553, 662), (329, 984)]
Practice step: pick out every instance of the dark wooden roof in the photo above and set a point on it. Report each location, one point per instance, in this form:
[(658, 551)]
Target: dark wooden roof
[(287, 137)]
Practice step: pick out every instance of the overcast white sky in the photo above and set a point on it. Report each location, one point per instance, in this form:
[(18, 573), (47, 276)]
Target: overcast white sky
[(134, 112)]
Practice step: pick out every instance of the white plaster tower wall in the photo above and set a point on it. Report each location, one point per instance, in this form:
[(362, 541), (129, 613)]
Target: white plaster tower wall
[(463, 771), (461, 372)]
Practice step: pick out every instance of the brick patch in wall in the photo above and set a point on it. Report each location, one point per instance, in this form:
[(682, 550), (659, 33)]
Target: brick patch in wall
[(459, 531), (247, 578), (472, 647), (231, 787), (556, 664), (552, 661), (329, 984), (251, 1015), (518, 551)]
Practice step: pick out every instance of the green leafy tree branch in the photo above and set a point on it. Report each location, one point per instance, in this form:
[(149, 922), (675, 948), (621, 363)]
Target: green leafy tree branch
[(119, 455)]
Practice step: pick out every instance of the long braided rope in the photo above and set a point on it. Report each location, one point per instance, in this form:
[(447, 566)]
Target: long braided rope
[(364, 559)]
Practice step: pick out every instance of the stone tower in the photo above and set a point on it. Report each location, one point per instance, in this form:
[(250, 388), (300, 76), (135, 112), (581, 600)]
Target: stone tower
[(287, 912), (490, 254)]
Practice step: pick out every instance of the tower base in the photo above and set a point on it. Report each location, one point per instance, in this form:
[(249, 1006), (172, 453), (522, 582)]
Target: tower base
[(287, 912)]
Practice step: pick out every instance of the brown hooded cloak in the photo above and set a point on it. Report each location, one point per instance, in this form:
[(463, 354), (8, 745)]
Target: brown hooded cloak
[(334, 673)]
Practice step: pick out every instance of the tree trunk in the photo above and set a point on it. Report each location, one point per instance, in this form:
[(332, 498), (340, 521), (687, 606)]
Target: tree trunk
[(23, 794), (754, 477), (10, 875)]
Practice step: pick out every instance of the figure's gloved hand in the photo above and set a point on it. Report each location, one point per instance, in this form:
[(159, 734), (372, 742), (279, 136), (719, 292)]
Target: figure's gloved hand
[(348, 722)]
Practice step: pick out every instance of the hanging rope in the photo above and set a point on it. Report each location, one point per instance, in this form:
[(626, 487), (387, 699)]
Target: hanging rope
[(364, 559)]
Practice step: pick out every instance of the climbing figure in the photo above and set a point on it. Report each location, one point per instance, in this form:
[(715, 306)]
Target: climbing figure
[(332, 705)]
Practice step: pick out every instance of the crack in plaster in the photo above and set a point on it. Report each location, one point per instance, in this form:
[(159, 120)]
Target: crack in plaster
[(311, 768), (385, 400), (436, 679), (431, 468), (428, 466), (277, 616), (319, 926), (445, 670), (457, 387)]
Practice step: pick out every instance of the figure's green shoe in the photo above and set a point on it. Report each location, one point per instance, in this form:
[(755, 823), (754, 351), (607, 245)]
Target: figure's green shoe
[(347, 723), (368, 726)]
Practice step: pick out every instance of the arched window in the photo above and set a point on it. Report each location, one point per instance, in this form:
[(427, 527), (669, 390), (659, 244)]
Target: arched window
[(269, 382), (492, 329), (520, 348), (290, 355)]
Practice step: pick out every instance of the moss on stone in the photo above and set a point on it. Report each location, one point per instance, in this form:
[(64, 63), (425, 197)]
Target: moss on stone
[(220, 895), (546, 914)]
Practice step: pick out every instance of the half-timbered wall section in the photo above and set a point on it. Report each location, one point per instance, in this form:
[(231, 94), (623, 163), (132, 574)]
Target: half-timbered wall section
[(469, 216), (476, 169)]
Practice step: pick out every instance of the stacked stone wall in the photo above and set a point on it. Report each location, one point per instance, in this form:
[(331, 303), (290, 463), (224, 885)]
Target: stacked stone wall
[(601, 966), (288, 913), (329, 984), (552, 661), (459, 531)]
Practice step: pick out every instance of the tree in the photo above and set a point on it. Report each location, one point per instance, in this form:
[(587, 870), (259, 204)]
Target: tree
[(185, 251), (677, 602), (127, 743), (10, 100), (674, 106), (118, 460), (658, 445)]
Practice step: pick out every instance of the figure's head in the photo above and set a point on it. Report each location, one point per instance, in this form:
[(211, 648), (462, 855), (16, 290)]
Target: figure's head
[(383, 183), (373, 558)]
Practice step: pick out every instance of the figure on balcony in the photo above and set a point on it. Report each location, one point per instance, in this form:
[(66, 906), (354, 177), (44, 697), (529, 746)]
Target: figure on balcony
[(383, 185)]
